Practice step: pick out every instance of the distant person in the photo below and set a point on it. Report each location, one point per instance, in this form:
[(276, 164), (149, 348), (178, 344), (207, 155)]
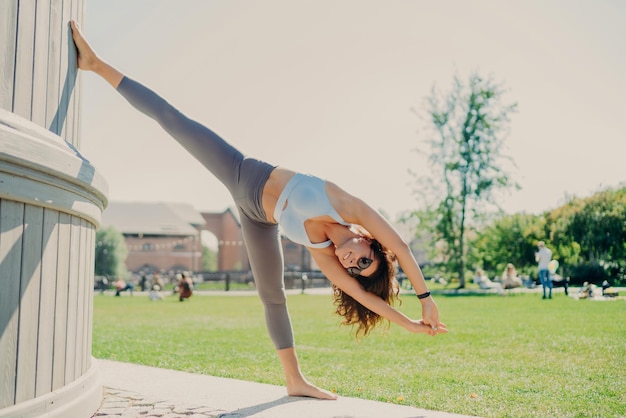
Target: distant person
[(352, 243), (481, 279), (158, 281), (543, 257), (560, 281), (608, 290), (155, 293), (185, 287), (528, 282), (510, 279), (122, 286), (586, 291), (101, 283)]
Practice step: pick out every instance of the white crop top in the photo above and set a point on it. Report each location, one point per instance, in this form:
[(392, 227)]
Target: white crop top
[(306, 198)]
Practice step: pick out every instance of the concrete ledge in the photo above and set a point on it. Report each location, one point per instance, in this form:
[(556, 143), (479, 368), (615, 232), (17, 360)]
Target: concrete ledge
[(41, 169), (81, 398)]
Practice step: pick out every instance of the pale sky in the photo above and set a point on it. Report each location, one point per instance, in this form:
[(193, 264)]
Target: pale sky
[(327, 87)]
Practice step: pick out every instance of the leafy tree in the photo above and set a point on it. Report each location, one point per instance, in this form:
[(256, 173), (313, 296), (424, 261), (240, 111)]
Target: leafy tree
[(564, 246), (111, 253), (600, 227), (209, 259), (507, 239), (587, 236), (593, 229), (470, 124)]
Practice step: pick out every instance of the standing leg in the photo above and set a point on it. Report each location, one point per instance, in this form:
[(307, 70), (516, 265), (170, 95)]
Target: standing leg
[(549, 283), (543, 285), (266, 259)]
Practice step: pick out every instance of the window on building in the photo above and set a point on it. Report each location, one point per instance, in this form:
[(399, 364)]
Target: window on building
[(147, 246)]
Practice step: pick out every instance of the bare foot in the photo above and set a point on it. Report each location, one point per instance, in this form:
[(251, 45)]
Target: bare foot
[(306, 389), (87, 57)]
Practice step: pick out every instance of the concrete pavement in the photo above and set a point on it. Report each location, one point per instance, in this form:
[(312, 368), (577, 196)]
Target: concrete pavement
[(140, 391)]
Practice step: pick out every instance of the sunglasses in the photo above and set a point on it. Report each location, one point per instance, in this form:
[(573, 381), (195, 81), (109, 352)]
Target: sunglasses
[(362, 264)]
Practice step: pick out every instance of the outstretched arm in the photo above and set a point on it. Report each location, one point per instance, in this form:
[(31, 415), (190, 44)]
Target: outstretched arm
[(390, 239), (336, 273), (88, 60), (356, 211)]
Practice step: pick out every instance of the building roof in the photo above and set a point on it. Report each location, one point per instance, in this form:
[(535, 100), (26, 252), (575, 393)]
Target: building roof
[(177, 219), (187, 213)]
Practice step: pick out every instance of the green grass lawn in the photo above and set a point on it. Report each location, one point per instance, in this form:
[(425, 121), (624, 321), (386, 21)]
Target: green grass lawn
[(509, 356)]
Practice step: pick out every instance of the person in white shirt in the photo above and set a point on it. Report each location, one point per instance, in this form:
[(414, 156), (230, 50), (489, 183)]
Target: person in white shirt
[(543, 258), (484, 283)]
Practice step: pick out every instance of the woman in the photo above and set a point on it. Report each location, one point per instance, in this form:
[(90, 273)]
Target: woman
[(481, 279), (510, 279), (312, 212)]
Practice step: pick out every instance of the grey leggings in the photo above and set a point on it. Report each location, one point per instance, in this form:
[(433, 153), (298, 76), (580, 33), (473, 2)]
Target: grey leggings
[(244, 177)]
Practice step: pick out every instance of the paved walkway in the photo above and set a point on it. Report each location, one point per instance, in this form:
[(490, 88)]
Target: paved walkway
[(133, 391)]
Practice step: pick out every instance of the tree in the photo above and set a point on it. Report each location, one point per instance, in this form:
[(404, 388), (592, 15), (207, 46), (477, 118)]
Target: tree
[(209, 259), (470, 125), (564, 246), (508, 239), (596, 228), (600, 227), (111, 253), (587, 237)]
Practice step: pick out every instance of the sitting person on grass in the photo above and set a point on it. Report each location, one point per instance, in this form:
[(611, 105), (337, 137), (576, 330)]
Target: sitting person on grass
[(510, 279), (608, 290), (586, 291), (484, 283)]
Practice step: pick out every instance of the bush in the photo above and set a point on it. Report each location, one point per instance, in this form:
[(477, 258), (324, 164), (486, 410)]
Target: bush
[(616, 273), (591, 273)]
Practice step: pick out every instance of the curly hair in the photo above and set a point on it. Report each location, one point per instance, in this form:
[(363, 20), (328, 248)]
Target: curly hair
[(381, 283)]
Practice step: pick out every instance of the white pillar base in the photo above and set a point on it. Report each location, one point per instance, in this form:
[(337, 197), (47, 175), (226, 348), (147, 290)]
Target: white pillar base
[(80, 399)]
